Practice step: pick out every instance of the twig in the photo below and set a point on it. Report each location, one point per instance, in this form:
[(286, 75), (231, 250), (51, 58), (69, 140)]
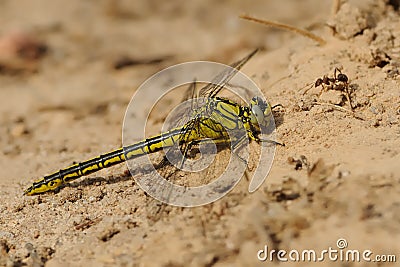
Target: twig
[(336, 6), (305, 33)]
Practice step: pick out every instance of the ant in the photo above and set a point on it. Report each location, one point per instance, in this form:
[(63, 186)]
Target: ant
[(339, 82)]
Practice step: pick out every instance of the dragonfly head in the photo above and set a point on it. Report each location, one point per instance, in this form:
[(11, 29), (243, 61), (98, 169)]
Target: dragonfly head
[(261, 112)]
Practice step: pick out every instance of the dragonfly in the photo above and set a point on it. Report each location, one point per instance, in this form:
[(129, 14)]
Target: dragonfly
[(214, 120)]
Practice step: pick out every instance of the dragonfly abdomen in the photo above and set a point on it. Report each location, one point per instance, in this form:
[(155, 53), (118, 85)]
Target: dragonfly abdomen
[(149, 145), (152, 144)]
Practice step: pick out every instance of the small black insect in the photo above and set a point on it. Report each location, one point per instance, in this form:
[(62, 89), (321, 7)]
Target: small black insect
[(339, 82)]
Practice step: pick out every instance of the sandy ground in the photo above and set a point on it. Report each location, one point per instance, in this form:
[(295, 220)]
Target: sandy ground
[(63, 98)]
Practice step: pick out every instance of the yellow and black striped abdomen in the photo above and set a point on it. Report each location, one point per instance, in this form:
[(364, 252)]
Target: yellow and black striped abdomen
[(149, 145)]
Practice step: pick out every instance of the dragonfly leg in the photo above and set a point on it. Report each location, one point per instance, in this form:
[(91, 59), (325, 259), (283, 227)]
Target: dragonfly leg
[(185, 152), (261, 140), (192, 143)]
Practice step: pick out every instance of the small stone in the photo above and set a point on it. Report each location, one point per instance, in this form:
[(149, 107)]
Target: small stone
[(36, 234), (18, 130), (375, 123)]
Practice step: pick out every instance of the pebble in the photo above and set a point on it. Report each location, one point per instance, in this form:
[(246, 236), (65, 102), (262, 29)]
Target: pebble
[(19, 129), (36, 234)]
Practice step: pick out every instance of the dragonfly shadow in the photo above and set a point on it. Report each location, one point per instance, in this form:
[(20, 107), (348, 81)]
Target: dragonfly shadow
[(91, 181), (176, 157)]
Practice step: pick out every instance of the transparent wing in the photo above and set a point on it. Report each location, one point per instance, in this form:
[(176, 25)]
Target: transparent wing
[(211, 90), (183, 113)]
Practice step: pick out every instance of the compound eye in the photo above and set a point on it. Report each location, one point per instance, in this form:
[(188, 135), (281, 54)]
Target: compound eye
[(255, 100), (258, 113)]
